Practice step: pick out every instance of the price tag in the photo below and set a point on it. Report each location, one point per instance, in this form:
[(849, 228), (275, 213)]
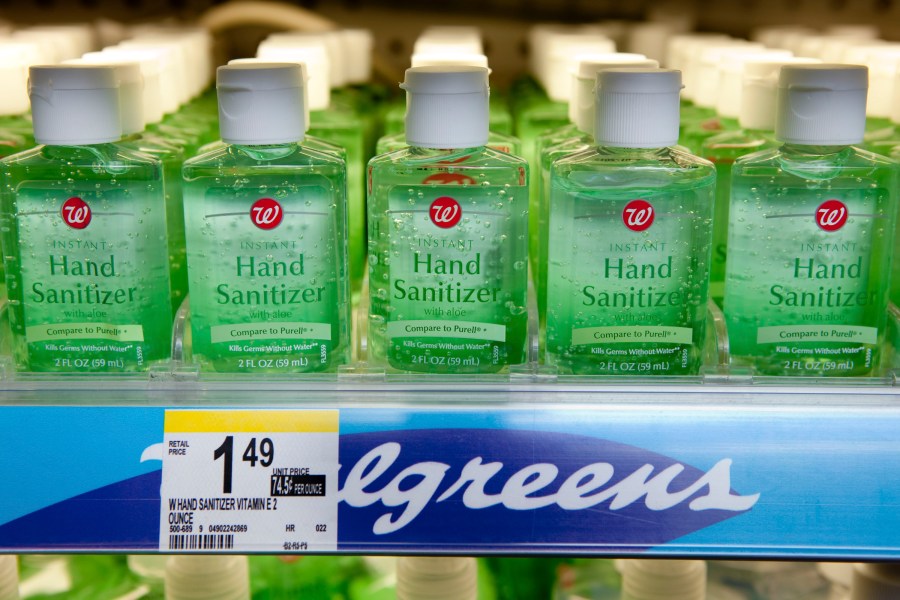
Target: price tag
[(249, 481)]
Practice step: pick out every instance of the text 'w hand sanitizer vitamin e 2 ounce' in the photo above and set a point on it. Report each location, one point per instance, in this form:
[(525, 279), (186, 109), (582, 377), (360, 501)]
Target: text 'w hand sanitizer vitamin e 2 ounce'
[(266, 229), (84, 234), (629, 236), (448, 226), (810, 234)]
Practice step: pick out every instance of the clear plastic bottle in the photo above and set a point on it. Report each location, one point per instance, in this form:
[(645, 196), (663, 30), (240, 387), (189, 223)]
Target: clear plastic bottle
[(437, 578), (655, 579), (629, 234), (875, 581), (266, 234), (811, 229), (542, 106), (754, 107), (84, 234), (575, 137), (337, 125), (703, 119), (447, 236), (214, 577), (139, 101), (15, 127), (9, 577)]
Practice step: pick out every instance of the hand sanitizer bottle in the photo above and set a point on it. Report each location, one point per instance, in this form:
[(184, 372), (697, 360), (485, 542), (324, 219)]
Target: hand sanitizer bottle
[(266, 226), (139, 101), (437, 578), (575, 137), (214, 577), (448, 222), (629, 234), (810, 233), (15, 127), (752, 102), (9, 578), (658, 579), (875, 581), (84, 234)]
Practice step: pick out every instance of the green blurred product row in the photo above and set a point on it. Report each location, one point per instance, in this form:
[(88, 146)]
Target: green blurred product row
[(233, 577), (626, 233)]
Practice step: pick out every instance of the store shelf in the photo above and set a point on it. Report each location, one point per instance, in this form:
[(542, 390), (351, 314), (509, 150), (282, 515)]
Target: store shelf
[(693, 469)]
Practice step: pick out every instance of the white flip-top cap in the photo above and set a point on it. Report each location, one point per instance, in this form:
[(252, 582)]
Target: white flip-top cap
[(48, 52), (650, 39), (680, 46), (537, 43), (562, 52), (883, 62), (822, 104), (446, 107), (329, 41), (216, 577), (131, 93), (657, 579), (731, 78), (837, 48), (637, 108), (9, 578), (860, 52), (151, 92), (875, 581), (812, 46), (13, 80), (708, 80), (74, 104), (58, 44), (449, 59), (358, 44), (261, 103), (437, 578), (468, 33), (196, 41), (303, 77), (700, 73), (31, 51), (77, 38), (759, 90), (173, 73), (584, 83), (857, 30), (186, 65), (160, 72), (774, 36), (315, 58), (438, 38)]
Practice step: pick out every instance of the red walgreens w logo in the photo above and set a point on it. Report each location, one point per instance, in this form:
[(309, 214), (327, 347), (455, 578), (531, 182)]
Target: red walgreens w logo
[(76, 213), (831, 215), (266, 213), (638, 215), (445, 212)]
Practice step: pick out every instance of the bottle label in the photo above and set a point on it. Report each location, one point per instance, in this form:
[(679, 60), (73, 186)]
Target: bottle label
[(95, 277), (627, 282), (267, 278), (805, 292), (457, 278)]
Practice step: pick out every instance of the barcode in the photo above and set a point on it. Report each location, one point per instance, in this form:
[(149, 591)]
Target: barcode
[(201, 542)]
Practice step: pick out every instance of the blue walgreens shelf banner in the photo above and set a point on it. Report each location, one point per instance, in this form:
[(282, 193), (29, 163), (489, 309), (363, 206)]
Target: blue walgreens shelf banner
[(750, 480)]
